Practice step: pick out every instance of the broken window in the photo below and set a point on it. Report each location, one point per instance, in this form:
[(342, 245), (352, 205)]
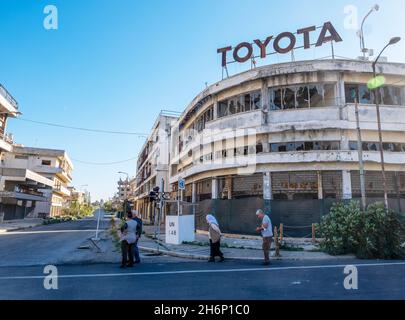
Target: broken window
[(248, 102), (312, 96), (304, 146), (259, 148), (223, 108), (302, 97), (256, 98), (276, 97), (389, 95), (288, 100)]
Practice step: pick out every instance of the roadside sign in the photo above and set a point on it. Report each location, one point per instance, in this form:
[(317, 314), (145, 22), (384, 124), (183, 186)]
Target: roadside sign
[(182, 184)]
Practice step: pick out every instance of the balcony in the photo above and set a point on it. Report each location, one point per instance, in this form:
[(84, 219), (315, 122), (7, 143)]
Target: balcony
[(7, 100), (6, 141), (62, 191)]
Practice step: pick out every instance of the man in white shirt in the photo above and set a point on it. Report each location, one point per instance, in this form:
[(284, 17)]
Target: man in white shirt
[(266, 230)]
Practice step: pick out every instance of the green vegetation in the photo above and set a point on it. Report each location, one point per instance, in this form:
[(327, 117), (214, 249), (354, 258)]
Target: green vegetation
[(75, 212), (115, 233), (373, 234), (108, 206), (78, 210)]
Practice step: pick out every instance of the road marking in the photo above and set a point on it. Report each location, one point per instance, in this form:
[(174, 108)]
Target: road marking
[(48, 231), (97, 275)]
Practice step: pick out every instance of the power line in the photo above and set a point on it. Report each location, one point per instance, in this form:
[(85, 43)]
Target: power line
[(104, 163), (84, 129)]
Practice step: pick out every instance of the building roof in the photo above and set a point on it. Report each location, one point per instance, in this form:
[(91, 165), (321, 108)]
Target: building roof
[(43, 152), (342, 65)]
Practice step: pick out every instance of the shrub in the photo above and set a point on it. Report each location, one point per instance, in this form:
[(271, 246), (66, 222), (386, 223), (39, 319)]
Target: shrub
[(370, 234)]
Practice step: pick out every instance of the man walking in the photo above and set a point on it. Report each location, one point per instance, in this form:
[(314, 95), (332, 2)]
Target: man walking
[(266, 230)]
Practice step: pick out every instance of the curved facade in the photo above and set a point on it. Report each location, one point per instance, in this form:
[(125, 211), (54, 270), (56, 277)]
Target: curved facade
[(288, 132)]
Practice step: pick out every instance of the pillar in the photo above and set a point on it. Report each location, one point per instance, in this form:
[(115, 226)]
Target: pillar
[(214, 186), (193, 192), (265, 102), (267, 191), (346, 185), (215, 108), (320, 185), (228, 182)]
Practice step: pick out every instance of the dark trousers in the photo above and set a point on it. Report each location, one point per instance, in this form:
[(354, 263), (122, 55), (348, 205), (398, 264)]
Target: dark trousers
[(136, 252), (266, 248), (127, 253), (215, 250)]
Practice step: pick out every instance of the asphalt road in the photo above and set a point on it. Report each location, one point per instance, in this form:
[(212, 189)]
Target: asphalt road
[(200, 280), (46, 244), (23, 256)]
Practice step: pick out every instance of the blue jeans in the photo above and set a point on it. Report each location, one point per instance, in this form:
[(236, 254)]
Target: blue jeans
[(136, 251)]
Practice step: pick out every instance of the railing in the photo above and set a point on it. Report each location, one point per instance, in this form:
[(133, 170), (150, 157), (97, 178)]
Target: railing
[(8, 97)]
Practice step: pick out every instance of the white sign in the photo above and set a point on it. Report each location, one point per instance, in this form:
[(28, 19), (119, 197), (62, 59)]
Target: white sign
[(182, 184), (180, 229)]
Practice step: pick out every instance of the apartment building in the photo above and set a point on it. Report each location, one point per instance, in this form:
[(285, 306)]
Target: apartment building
[(153, 163), (20, 187), (53, 165)]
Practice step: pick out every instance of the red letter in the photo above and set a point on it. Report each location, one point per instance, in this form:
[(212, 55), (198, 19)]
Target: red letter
[(249, 48), (334, 35), (291, 46), (224, 51), (305, 32), (263, 46)]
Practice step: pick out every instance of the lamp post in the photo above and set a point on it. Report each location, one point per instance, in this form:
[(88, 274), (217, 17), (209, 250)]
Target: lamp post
[(377, 104), (362, 42)]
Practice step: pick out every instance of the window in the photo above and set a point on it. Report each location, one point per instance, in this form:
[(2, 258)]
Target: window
[(389, 95), (223, 108), (46, 162), (304, 146), (259, 148), (302, 97), (312, 96), (20, 157), (288, 96), (374, 146)]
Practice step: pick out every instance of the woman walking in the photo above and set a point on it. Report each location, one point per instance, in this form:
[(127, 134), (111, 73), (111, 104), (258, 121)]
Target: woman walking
[(214, 234)]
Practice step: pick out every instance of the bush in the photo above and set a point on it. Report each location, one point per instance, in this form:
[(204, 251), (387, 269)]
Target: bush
[(369, 235)]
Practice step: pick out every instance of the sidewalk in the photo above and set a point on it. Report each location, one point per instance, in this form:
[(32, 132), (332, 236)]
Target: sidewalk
[(15, 225), (242, 248)]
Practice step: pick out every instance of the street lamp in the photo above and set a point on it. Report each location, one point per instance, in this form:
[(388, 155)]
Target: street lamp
[(377, 104), (362, 42)]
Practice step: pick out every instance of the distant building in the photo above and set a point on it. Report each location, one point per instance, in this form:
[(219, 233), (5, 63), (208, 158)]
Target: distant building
[(153, 163)]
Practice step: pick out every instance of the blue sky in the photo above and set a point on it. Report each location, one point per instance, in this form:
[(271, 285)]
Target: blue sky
[(113, 65)]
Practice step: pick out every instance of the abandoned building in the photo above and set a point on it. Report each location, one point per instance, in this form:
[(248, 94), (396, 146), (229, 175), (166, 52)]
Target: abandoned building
[(284, 137)]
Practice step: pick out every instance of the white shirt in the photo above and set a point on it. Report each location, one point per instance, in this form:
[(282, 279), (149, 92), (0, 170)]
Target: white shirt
[(269, 231), (129, 234)]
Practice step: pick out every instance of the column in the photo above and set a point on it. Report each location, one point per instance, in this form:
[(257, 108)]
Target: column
[(193, 192), (267, 189), (215, 108), (228, 182), (214, 188), (346, 185), (265, 102), (320, 185)]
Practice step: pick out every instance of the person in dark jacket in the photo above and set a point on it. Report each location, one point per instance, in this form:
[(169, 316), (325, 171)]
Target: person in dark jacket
[(138, 220)]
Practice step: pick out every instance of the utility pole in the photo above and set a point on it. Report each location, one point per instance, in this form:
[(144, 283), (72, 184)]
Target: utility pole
[(360, 153), (377, 105)]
